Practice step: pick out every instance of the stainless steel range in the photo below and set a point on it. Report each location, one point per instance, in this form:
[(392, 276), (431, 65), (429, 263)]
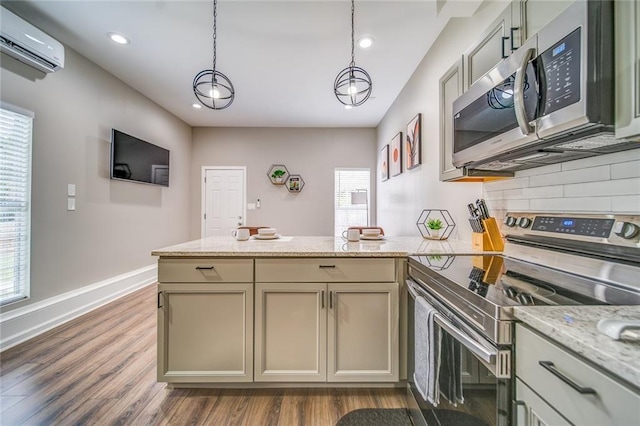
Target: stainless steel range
[(549, 259)]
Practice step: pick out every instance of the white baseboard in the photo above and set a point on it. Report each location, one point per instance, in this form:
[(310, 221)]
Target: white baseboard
[(24, 323)]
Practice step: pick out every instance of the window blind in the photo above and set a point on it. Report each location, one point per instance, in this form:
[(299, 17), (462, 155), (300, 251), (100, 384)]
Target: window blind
[(346, 213), (15, 204)]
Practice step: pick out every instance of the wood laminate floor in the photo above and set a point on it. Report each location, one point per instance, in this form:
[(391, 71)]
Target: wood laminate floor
[(100, 369)]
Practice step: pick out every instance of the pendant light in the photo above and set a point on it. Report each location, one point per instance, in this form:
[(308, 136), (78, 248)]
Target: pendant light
[(212, 88), (353, 84)]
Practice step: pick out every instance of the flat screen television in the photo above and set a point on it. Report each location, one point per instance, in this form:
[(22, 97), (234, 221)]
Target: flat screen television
[(135, 160)]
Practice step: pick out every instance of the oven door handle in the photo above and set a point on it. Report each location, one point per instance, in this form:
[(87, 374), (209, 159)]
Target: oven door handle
[(484, 353)]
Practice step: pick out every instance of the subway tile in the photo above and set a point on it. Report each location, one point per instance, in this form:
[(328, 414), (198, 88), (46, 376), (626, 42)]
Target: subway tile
[(584, 204), (544, 192), (492, 195), (516, 205), (512, 194), (604, 188), (616, 157), (551, 168), (625, 170), (511, 183), (591, 174), (626, 204)]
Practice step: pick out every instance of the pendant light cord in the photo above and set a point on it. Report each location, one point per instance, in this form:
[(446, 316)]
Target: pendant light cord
[(353, 56), (215, 15)]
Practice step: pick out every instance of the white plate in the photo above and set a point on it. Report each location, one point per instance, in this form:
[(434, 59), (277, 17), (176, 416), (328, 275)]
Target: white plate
[(266, 237), (379, 237)]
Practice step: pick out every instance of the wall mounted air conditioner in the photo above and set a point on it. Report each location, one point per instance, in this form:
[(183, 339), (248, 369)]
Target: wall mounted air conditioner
[(26, 43)]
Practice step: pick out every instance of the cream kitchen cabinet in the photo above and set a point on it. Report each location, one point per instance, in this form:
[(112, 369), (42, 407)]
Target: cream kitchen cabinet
[(497, 42), (334, 324), (538, 13), (553, 384), (205, 320), (627, 53)]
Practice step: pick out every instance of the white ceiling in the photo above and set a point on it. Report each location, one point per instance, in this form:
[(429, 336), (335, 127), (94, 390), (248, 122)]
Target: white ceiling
[(281, 56)]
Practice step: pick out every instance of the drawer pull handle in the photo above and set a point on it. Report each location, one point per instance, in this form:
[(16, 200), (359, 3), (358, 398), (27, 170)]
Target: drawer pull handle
[(322, 297), (207, 268), (548, 365), (327, 266)]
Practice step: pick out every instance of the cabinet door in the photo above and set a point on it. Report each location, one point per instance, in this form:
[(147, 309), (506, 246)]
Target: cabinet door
[(362, 332), (450, 89), (491, 48), (291, 331), (205, 333), (531, 410), (538, 13), (627, 36)]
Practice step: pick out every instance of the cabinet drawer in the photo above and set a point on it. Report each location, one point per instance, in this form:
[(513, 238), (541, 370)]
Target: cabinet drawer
[(205, 270), (325, 270), (612, 403)]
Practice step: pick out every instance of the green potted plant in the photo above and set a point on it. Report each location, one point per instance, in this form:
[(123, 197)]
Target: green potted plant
[(277, 175), (435, 225)]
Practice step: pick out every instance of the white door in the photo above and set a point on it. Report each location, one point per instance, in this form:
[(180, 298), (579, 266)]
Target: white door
[(223, 200)]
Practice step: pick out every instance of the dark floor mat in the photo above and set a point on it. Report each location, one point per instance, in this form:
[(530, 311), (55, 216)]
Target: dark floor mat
[(439, 417), (376, 417)]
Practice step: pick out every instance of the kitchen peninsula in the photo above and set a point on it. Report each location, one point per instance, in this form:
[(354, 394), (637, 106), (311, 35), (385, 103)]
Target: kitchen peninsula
[(291, 310)]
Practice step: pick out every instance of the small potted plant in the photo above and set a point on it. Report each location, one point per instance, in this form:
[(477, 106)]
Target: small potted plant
[(277, 175), (435, 225)]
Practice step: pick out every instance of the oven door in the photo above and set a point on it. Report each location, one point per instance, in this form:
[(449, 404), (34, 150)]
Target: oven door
[(483, 403)]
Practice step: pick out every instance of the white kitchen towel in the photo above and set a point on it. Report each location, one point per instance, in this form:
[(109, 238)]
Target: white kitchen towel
[(427, 351)]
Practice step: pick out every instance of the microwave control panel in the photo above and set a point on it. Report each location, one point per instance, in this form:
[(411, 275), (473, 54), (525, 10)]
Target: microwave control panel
[(561, 67)]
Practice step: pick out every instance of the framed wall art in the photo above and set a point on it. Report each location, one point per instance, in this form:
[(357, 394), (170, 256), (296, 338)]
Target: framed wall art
[(395, 160), (413, 145), (384, 163)]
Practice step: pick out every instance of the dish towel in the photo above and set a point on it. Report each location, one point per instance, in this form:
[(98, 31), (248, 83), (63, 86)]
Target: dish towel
[(427, 349), (450, 377)]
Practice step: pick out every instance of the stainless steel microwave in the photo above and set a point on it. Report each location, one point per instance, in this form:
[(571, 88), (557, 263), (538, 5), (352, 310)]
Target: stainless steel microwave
[(552, 100)]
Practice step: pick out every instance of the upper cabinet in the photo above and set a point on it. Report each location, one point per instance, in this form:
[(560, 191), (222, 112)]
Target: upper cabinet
[(501, 38), (450, 89), (538, 13), (627, 36)]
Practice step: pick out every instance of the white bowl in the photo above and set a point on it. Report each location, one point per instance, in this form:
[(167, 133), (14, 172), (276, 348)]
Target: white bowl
[(266, 231)]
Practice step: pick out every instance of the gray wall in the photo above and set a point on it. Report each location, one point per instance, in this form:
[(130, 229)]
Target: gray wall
[(402, 198), (310, 152), (116, 224)]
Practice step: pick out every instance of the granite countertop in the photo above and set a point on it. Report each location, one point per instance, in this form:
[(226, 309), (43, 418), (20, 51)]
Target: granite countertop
[(575, 327), (316, 247)]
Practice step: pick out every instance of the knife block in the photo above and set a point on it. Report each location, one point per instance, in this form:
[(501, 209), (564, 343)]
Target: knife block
[(490, 239)]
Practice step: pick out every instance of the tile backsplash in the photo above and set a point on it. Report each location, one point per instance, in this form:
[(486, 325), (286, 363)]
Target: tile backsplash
[(607, 183)]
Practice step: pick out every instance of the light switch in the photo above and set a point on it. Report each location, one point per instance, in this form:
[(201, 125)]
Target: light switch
[(71, 204), (71, 190)]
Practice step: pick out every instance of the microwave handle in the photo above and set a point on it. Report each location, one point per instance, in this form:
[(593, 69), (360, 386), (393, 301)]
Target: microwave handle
[(518, 93)]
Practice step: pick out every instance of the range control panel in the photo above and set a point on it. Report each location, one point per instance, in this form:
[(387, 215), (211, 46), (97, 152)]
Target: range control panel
[(607, 228)]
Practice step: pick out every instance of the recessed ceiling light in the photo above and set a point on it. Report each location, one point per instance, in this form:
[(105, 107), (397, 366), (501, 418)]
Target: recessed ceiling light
[(118, 38), (365, 42), (196, 106)]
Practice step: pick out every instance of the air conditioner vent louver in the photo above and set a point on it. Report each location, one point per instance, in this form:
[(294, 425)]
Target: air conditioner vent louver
[(9, 45)]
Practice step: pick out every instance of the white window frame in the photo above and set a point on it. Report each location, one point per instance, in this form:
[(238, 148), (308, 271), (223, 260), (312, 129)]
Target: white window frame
[(22, 287), (336, 229)]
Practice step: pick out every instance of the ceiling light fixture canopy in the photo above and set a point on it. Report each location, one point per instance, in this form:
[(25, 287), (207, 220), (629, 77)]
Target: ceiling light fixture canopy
[(212, 88), (353, 84)]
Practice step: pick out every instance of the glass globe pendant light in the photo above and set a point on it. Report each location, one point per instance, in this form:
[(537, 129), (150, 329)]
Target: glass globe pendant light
[(353, 84), (212, 88)]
